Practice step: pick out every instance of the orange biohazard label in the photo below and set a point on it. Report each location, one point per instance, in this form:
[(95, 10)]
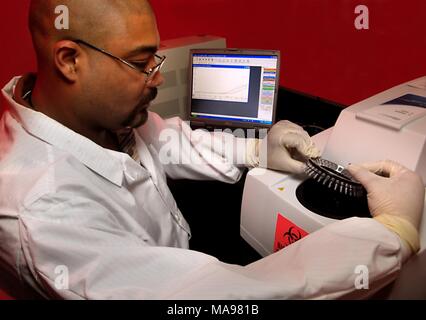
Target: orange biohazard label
[(287, 233)]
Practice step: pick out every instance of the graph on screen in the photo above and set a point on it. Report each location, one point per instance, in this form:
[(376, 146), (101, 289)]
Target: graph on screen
[(221, 84)]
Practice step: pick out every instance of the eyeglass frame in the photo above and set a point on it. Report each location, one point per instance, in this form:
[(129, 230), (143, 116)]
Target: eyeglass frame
[(150, 73)]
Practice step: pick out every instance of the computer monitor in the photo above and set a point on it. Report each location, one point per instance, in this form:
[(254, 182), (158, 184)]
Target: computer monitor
[(233, 88)]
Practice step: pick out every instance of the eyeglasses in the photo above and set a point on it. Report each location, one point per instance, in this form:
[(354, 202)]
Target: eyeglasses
[(150, 73)]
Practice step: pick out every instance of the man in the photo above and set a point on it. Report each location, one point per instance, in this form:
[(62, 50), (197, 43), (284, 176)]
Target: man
[(85, 210)]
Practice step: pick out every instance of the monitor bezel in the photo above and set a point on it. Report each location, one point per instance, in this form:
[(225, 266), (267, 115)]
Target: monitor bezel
[(205, 122)]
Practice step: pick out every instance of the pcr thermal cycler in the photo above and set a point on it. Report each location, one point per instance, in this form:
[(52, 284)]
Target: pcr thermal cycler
[(279, 209)]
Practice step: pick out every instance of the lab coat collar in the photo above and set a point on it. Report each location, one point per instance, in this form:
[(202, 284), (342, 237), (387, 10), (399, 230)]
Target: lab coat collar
[(41, 126)]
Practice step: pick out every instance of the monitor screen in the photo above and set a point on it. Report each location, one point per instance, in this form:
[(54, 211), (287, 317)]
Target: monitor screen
[(234, 87)]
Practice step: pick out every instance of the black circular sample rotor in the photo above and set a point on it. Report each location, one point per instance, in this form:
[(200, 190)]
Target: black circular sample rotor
[(334, 177), (332, 192)]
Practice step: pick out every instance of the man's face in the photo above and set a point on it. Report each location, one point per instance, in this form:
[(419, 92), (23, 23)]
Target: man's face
[(116, 95)]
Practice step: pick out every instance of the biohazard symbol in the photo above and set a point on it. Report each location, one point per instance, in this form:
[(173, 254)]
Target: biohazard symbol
[(292, 236), (287, 233)]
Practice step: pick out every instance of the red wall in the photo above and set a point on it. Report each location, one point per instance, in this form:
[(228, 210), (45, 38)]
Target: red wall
[(322, 52), (16, 53)]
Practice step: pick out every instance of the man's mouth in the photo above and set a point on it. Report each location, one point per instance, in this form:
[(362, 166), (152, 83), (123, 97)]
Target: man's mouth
[(140, 109)]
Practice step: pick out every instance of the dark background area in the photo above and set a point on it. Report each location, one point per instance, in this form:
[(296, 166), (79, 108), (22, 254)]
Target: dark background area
[(215, 224)]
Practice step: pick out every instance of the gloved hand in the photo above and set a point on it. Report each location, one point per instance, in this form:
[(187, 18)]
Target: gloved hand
[(395, 198), (286, 148), (392, 190)]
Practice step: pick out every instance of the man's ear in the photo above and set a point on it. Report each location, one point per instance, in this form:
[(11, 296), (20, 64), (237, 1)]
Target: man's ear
[(66, 59)]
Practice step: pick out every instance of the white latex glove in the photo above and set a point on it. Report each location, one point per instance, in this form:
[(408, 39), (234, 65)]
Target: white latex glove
[(287, 148), (398, 191)]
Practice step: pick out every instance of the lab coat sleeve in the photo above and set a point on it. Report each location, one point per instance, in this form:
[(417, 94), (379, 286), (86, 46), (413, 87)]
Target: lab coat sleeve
[(195, 154), (85, 254)]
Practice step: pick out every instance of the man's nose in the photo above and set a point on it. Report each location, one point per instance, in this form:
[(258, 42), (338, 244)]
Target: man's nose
[(155, 81)]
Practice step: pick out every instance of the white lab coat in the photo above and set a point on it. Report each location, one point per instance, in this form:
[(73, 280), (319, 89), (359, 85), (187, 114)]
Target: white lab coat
[(79, 221)]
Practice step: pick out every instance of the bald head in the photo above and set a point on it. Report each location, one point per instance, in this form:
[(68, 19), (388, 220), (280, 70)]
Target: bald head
[(94, 21)]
